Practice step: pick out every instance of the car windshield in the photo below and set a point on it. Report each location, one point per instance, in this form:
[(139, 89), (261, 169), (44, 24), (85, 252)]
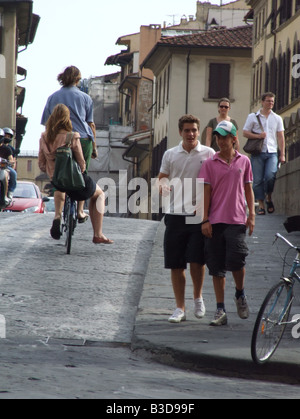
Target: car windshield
[(26, 191)]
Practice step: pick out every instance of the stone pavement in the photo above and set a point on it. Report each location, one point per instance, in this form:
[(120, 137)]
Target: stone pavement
[(93, 295), (224, 350)]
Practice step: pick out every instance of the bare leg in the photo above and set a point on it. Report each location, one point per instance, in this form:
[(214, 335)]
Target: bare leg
[(197, 274), (239, 278), (219, 286), (59, 201), (178, 281), (81, 213), (96, 208), (261, 204)]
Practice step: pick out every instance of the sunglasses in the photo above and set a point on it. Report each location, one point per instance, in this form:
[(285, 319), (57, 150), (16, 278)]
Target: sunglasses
[(224, 107)]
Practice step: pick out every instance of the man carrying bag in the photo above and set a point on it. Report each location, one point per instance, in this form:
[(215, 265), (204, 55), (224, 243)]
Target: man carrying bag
[(267, 125)]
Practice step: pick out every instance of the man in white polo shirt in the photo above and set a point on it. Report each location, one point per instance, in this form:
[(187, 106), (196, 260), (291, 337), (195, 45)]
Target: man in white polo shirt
[(184, 242), (265, 164)]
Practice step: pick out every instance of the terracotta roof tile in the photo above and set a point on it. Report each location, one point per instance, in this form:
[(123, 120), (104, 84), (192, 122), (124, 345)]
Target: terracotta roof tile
[(239, 37)]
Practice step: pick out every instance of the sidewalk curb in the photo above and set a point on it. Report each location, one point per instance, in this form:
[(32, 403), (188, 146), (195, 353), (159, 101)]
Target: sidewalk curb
[(196, 346), (276, 372)]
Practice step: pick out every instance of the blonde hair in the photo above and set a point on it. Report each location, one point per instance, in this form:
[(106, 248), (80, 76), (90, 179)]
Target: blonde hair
[(58, 120)]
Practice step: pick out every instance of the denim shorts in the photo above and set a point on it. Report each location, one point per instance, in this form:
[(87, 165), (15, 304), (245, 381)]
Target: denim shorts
[(226, 250), (183, 243)]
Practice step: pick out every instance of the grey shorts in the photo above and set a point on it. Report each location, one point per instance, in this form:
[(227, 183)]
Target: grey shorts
[(183, 243), (226, 250)]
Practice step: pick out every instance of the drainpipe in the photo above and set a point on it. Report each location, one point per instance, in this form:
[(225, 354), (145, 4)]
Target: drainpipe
[(188, 60)]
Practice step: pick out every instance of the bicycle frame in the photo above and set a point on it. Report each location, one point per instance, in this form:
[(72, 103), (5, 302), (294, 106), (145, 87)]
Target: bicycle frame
[(289, 281)]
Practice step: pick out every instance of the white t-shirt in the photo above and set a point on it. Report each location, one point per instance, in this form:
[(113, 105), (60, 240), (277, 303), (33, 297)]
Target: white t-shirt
[(271, 125), (182, 169)]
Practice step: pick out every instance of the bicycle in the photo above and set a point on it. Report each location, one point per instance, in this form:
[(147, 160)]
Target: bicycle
[(69, 222), (273, 316)]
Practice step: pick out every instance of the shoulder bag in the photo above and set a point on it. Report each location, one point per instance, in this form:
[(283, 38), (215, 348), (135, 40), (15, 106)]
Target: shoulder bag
[(67, 173), (254, 146)]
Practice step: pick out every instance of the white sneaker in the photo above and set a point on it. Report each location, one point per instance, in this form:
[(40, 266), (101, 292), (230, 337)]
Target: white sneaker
[(200, 309), (220, 318), (178, 316), (242, 307)]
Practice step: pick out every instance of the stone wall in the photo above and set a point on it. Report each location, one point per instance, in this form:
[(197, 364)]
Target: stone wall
[(286, 196)]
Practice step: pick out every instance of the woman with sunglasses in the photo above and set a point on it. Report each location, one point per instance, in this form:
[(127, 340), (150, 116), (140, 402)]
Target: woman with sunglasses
[(223, 109)]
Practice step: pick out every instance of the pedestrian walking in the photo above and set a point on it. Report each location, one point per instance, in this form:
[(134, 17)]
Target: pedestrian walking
[(183, 241), (224, 107), (7, 154), (81, 111), (57, 128), (265, 164), (227, 181)]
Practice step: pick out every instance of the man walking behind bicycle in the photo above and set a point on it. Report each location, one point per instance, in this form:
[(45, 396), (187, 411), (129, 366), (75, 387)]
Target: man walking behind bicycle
[(81, 113)]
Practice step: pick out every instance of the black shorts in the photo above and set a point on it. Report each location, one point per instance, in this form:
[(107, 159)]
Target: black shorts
[(183, 243), (227, 250), (85, 193)]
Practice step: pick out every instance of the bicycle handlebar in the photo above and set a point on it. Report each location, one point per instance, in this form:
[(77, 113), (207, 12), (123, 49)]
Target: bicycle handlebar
[(279, 236)]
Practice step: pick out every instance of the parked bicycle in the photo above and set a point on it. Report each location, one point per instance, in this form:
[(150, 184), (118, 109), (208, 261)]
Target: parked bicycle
[(69, 222), (273, 316)]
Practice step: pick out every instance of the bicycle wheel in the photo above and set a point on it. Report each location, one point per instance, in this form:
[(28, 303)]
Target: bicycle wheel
[(69, 233), (67, 225), (271, 322)]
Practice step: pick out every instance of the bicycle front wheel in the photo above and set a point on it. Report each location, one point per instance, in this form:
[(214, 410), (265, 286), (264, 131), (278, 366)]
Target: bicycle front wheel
[(68, 224), (271, 322), (69, 234)]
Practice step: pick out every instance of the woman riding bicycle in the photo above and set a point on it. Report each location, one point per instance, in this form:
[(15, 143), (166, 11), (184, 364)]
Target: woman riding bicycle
[(57, 128)]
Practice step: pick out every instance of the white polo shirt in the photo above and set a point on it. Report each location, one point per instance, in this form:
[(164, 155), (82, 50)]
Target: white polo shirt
[(271, 125), (180, 165)]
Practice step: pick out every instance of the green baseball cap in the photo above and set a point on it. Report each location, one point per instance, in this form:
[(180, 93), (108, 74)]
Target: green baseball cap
[(224, 128)]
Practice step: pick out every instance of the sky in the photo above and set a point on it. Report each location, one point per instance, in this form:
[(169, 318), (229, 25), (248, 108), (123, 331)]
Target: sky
[(84, 34)]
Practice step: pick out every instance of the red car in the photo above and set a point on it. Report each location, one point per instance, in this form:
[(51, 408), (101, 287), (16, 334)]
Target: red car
[(27, 198)]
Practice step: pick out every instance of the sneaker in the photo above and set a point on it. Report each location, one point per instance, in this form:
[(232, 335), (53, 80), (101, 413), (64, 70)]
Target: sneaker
[(242, 307), (199, 308), (220, 318), (178, 316)]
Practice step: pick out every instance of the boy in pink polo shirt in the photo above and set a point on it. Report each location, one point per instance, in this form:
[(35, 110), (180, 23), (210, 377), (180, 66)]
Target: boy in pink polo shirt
[(227, 182)]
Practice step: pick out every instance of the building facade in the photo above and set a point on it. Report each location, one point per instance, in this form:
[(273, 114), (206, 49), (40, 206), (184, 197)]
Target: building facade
[(18, 26), (276, 68), (192, 73)]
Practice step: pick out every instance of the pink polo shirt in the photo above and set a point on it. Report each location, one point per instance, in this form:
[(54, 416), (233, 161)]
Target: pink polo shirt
[(228, 204)]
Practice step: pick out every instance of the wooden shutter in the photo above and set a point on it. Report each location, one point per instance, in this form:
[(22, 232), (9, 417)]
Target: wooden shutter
[(219, 81)]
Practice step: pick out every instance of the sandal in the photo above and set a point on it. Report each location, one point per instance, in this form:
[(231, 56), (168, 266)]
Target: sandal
[(261, 211), (83, 219), (270, 207), (55, 230)]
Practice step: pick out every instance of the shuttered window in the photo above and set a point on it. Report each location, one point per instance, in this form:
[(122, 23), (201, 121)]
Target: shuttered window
[(1, 32), (286, 10), (219, 80)]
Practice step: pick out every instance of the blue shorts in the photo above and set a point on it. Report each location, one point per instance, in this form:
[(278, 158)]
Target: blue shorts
[(226, 250)]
